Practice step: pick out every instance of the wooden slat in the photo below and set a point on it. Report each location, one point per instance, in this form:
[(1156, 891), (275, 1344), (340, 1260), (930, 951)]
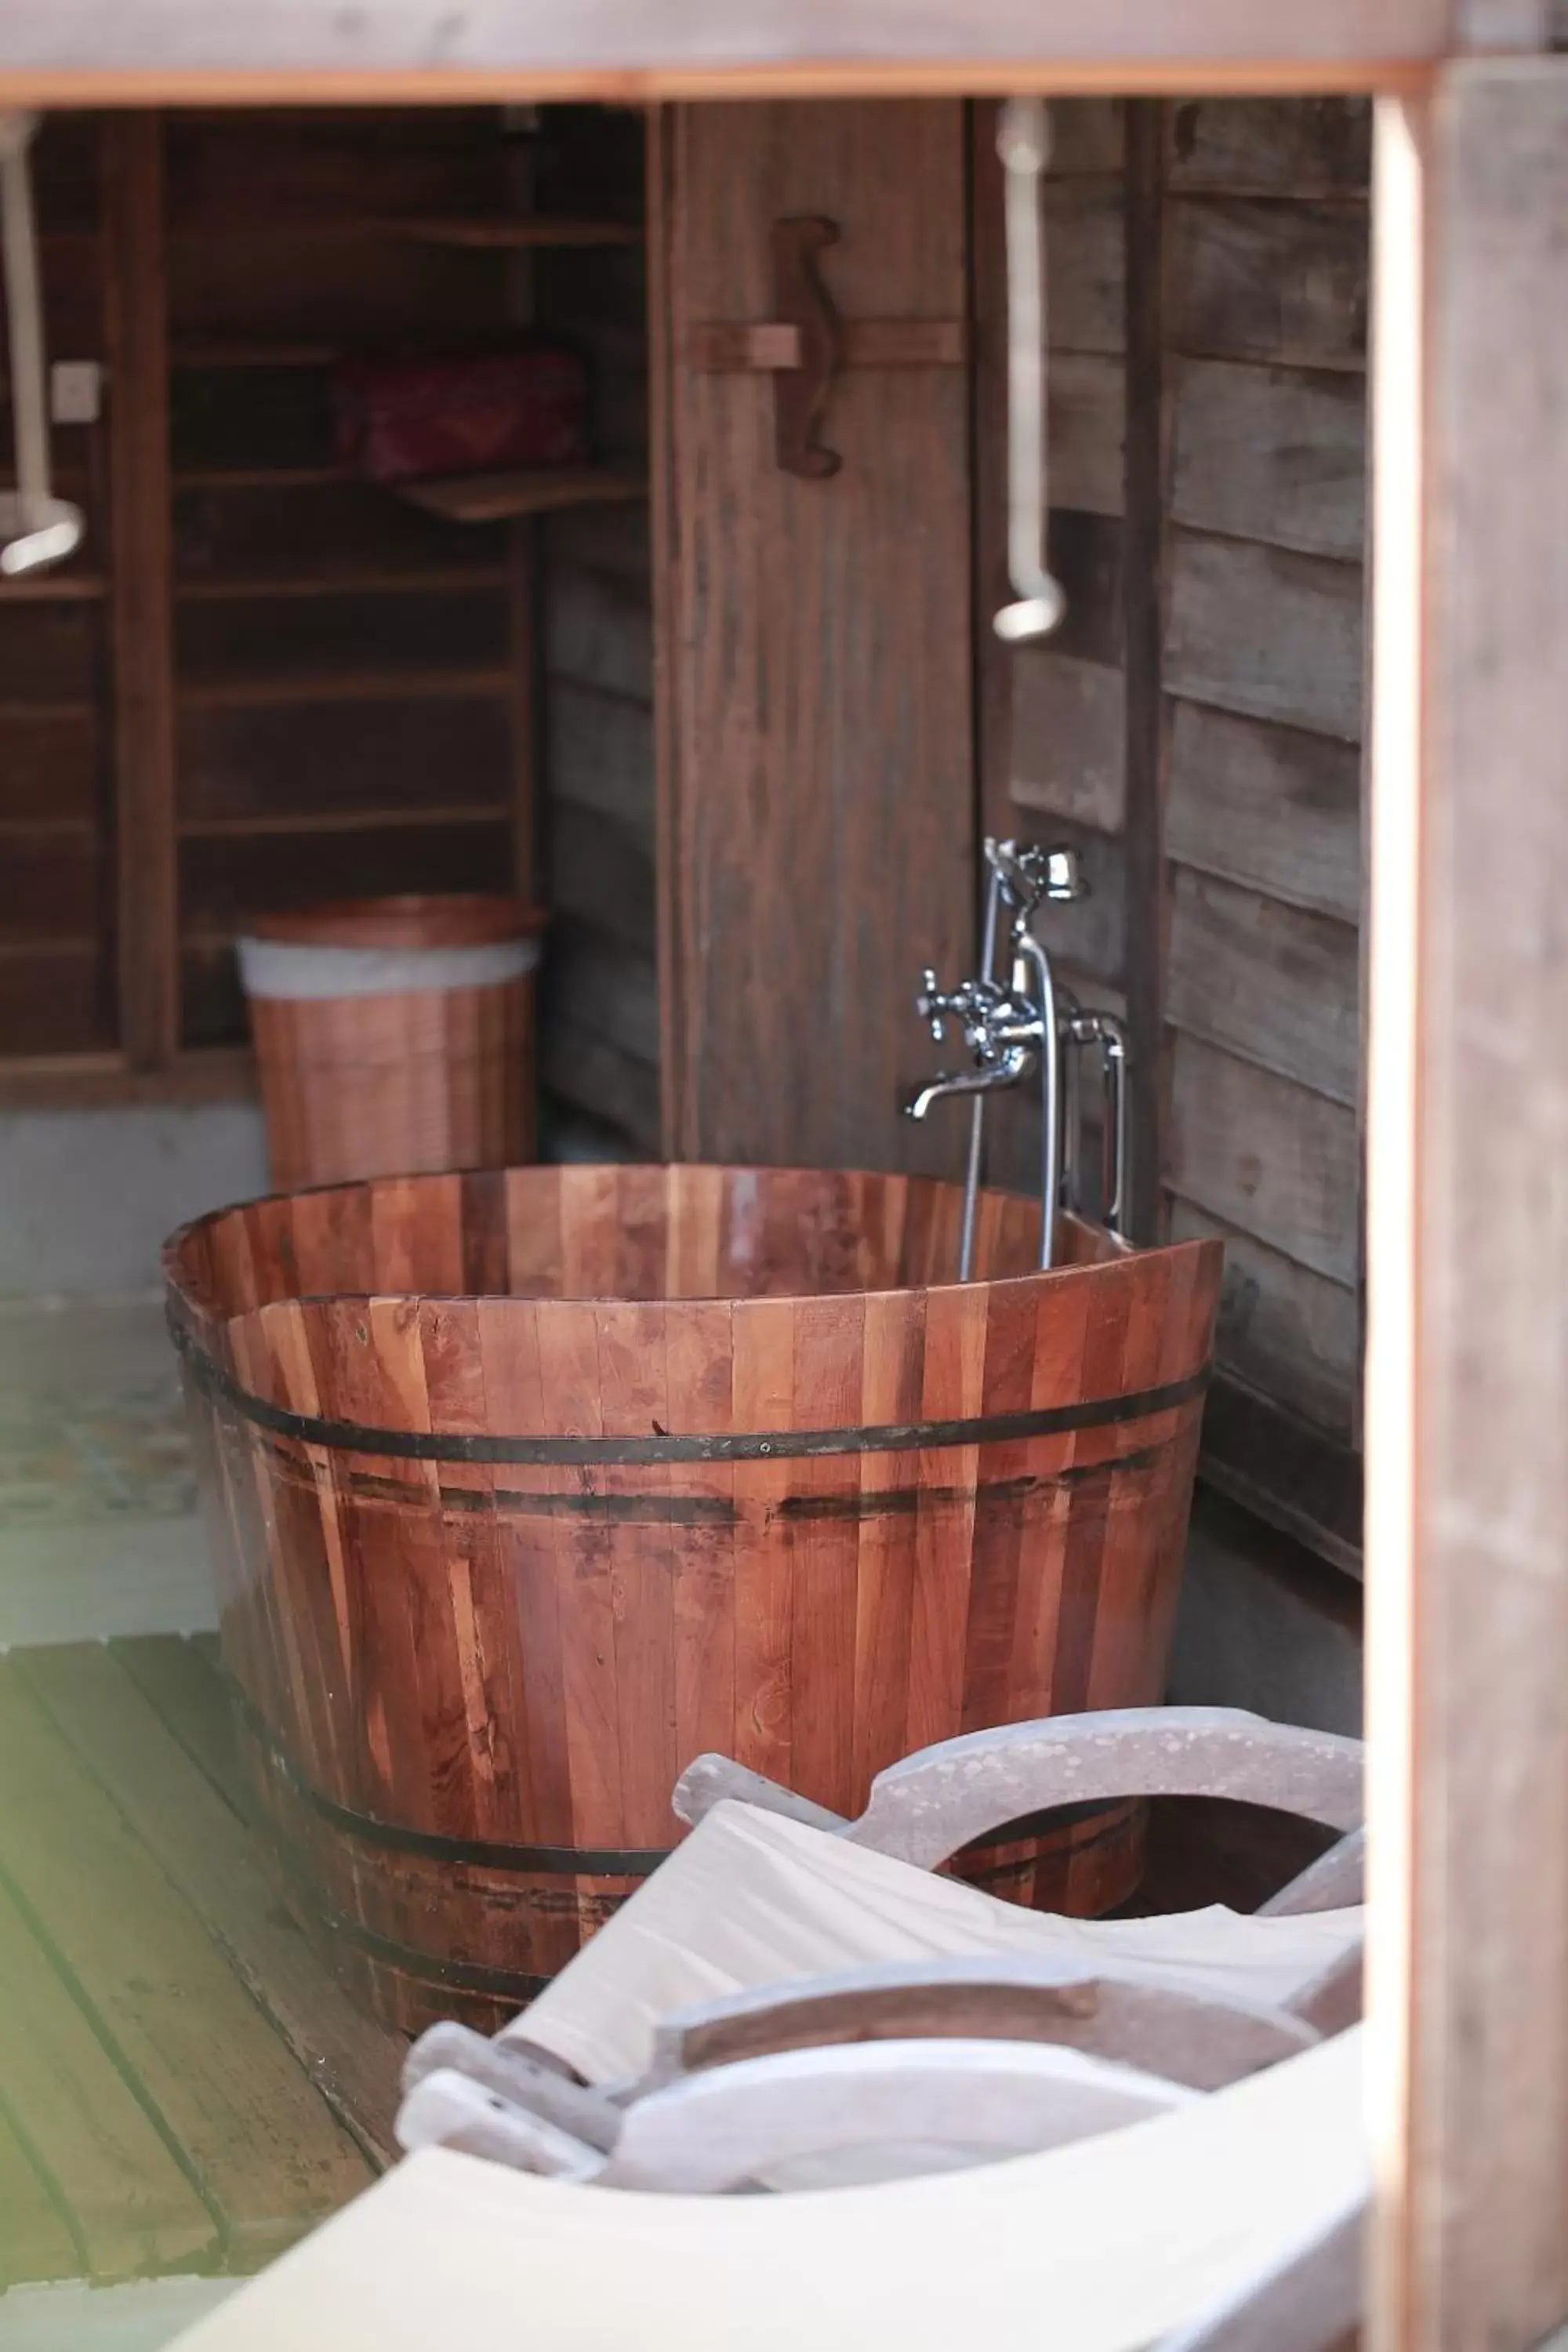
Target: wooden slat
[(131, 2209), (1272, 147), (1266, 1156), (598, 630), (143, 617), (1088, 136), (378, 754), (259, 642), (1086, 266), (637, 49), (1068, 737), (594, 1076), (1284, 283), (596, 985), (52, 1000), (784, 765), (1275, 807), (179, 1676), (258, 2138), (1273, 453), (1084, 443), (599, 754), (50, 761), (493, 498), (601, 874), (34, 2243), (1285, 1330), (1469, 1389), (1274, 983), (50, 654), (1287, 1472), (112, 1725), (1266, 632)]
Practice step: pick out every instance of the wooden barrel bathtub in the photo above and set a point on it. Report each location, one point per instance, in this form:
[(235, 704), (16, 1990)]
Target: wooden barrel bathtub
[(527, 1485)]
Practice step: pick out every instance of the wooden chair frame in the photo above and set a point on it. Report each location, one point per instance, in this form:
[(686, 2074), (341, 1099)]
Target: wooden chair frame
[(739, 2082)]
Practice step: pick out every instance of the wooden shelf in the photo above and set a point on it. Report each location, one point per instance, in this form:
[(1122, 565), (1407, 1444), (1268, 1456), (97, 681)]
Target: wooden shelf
[(495, 498), (229, 351), (55, 588), (257, 477), (487, 232), (520, 234), (375, 686), (53, 828), (317, 821), (77, 1081), (437, 578)]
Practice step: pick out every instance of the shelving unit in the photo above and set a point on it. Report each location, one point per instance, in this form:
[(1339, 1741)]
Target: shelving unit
[(500, 497), (270, 678)]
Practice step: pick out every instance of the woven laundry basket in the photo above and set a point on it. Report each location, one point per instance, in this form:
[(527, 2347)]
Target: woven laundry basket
[(394, 1035)]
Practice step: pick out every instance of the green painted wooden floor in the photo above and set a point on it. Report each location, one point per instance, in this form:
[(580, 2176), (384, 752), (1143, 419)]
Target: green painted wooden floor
[(182, 2087)]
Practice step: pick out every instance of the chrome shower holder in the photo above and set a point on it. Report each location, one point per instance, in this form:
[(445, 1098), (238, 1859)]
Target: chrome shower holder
[(1027, 1023)]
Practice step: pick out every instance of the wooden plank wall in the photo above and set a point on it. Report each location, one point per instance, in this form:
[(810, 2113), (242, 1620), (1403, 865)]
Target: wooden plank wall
[(599, 1035), (1054, 717), (1232, 938), (58, 860), (1264, 347), (819, 734)]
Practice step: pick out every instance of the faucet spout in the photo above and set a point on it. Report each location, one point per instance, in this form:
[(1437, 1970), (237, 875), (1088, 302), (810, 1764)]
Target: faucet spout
[(1005, 1071)]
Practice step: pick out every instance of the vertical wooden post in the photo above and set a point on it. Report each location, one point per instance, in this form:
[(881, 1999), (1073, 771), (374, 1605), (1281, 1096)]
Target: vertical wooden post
[(663, 516), (1144, 632), (142, 609), (1468, 1398)]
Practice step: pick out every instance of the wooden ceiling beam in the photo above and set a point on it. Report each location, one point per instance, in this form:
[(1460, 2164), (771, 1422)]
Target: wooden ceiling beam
[(146, 52)]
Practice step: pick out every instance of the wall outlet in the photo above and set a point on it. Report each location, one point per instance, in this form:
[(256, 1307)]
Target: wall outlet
[(76, 391)]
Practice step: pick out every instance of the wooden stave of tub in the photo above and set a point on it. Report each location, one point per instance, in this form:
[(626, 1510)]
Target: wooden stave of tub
[(452, 1765)]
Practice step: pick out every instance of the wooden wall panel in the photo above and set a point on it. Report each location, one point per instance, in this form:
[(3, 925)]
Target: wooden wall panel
[(1282, 283), (1263, 673), (1271, 981), (1069, 739), (1276, 807), (1263, 1155), (1297, 147), (820, 847), (1288, 1333), (1271, 454), (1267, 633)]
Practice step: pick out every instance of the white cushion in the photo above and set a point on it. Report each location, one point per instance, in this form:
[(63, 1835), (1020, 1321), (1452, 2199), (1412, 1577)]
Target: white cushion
[(751, 1898), (1099, 2247)]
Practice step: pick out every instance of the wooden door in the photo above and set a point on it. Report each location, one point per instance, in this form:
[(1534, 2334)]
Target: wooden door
[(817, 837)]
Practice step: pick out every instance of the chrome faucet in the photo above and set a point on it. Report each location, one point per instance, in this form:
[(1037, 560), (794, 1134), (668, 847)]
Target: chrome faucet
[(1010, 1028)]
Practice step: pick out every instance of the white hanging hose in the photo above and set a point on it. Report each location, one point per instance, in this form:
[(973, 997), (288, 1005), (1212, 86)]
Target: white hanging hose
[(1024, 144), (37, 528)]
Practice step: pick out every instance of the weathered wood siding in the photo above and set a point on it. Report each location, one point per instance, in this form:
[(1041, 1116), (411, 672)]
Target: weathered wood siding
[(1244, 917), (1265, 351), (1064, 774)]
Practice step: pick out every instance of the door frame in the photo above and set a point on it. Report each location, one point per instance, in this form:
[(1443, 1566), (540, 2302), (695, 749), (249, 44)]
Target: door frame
[(1464, 2250)]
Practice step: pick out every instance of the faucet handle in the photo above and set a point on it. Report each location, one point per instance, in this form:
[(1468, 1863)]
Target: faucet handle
[(1064, 875), (1031, 877), (932, 1005)]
